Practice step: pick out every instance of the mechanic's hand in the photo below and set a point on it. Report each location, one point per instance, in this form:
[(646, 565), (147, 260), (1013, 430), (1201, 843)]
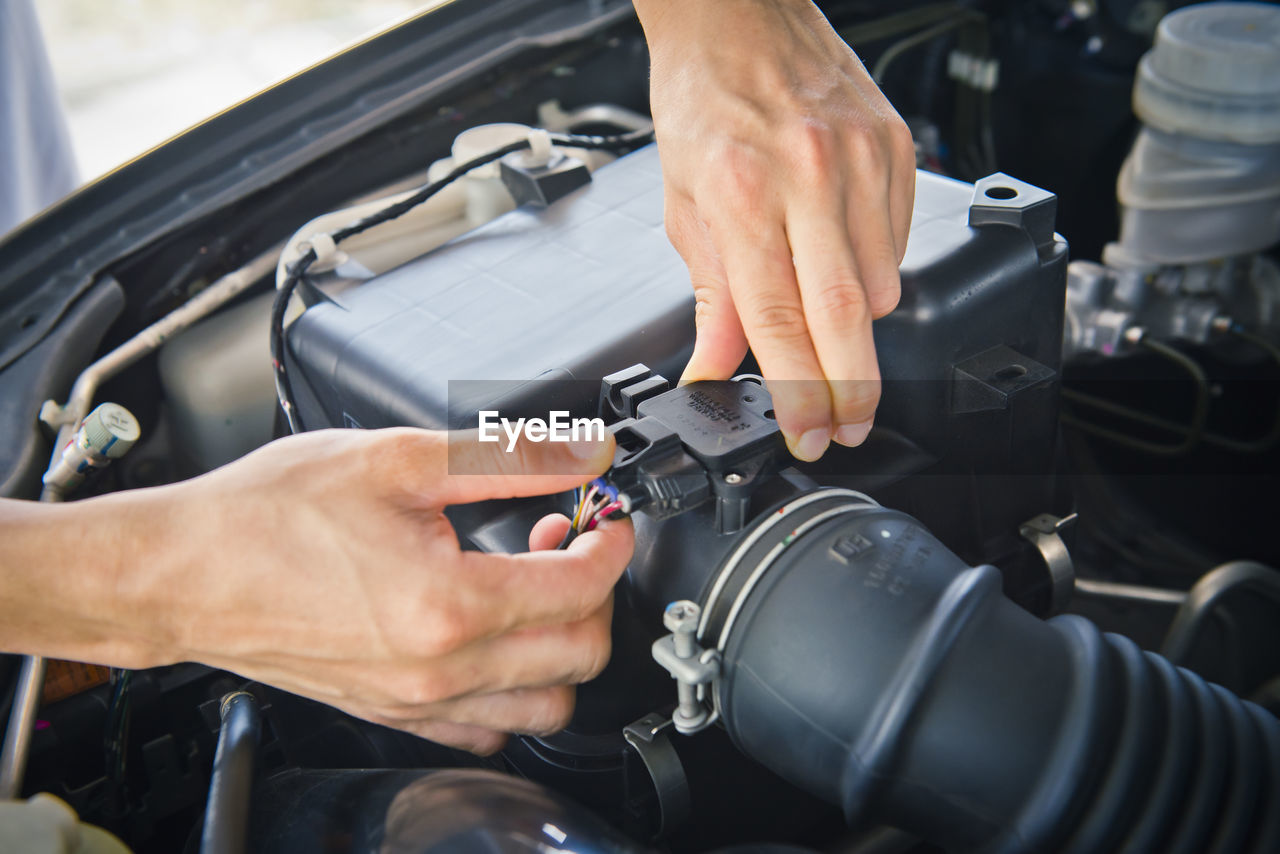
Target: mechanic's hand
[(323, 564), (789, 182)]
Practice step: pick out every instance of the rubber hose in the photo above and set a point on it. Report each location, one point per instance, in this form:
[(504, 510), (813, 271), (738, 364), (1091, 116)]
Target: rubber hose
[(872, 667), (226, 817)]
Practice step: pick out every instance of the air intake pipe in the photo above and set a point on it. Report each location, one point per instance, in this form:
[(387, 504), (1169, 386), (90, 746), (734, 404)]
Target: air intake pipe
[(863, 661)]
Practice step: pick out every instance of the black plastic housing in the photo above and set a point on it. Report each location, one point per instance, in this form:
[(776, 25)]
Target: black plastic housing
[(530, 311), (708, 439)]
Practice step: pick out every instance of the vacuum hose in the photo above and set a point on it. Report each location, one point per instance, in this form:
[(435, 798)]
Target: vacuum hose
[(226, 816), (865, 662)]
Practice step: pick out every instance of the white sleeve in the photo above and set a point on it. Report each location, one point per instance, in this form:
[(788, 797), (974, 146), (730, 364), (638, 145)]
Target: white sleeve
[(37, 166)]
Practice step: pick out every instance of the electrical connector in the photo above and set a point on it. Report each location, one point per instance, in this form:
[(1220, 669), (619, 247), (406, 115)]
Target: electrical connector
[(680, 447)]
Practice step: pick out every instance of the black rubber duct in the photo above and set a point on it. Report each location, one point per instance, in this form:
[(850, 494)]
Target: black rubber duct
[(866, 663), (226, 816)]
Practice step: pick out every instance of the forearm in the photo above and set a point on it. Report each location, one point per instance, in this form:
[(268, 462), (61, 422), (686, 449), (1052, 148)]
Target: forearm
[(323, 564), (77, 580)]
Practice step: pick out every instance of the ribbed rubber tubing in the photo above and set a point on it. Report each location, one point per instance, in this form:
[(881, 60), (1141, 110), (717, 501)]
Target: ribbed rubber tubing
[(872, 667)]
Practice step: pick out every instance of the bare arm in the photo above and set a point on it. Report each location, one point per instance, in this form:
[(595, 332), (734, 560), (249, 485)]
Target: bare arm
[(323, 564)]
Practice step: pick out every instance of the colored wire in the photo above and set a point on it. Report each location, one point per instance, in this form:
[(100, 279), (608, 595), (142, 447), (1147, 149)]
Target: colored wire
[(603, 514), (581, 518), (592, 503)]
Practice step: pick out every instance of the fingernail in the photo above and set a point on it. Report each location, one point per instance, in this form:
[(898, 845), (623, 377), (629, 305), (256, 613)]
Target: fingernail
[(812, 444), (852, 435)]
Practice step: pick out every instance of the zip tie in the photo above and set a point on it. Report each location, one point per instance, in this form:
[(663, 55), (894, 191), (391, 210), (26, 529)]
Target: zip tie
[(539, 153), (324, 246)]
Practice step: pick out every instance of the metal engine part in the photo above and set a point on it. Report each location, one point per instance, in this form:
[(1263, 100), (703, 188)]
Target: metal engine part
[(1199, 191)]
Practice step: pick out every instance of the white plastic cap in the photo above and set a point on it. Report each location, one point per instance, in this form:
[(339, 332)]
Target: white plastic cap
[(44, 824), (480, 140), (109, 430), (1214, 73)]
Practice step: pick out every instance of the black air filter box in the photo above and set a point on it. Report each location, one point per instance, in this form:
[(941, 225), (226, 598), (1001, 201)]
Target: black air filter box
[(590, 285)]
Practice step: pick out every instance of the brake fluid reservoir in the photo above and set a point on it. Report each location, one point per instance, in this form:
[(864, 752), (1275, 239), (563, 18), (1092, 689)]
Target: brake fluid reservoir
[(1203, 178)]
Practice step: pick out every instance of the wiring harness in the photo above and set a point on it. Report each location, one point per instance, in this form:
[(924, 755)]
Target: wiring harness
[(325, 244), (592, 503), (1189, 435)]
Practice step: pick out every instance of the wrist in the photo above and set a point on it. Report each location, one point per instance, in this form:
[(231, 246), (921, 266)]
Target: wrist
[(144, 583)]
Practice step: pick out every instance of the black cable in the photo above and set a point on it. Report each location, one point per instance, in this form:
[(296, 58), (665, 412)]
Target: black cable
[(410, 202), (116, 738), (598, 143), (612, 142), (284, 387), (1191, 433), (1268, 440), (1240, 446), (298, 271)]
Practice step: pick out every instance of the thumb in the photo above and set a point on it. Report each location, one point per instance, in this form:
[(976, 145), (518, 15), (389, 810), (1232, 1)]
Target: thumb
[(721, 345), (480, 470)]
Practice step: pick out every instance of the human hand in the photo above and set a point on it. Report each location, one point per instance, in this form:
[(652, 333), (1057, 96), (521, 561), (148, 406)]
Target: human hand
[(789, 182), (323, 564)]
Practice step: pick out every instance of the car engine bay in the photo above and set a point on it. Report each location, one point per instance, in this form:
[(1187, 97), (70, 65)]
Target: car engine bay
[(1035, 611)]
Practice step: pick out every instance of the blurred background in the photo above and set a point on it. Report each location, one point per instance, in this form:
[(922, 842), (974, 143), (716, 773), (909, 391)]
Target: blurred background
[(133, 73)]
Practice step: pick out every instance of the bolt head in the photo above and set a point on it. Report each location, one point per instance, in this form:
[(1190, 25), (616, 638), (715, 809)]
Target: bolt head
[(681, 616), (733, 478)]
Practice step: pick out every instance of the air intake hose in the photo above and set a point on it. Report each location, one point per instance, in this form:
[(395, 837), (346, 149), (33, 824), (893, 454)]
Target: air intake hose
[(865, 662)]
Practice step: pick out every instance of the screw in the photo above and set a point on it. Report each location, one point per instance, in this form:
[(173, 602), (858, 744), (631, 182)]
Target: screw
[(733, 479), (681, 619)]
